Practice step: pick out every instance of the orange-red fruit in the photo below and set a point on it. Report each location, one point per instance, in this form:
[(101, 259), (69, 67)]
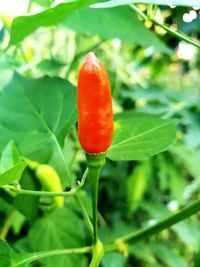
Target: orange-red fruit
[(95, 115)]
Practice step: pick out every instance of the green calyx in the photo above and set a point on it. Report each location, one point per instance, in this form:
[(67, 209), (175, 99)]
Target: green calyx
[(96, 160)]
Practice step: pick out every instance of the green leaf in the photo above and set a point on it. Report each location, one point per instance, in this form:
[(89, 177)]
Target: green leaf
[(4, 247), (10, 157), (115, 23), (171, 177), (7, 66), (37, 114), (5, 254), (5, 260), (44, 3), (188, 232), (113, 259), (22, 259), (58, 230), (25, 25), (8, 258), (188, 158), (27, 204), (119, 228), (13, 175), (114, 3), (196, 262), (140, 136), (162, 171), (85, 200), (5, 77), (143, 252), (49, 66), (18, 222), (176, 181), (136, 184), (168, 255)]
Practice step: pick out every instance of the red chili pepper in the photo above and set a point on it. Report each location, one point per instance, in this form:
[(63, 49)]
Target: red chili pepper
[(95, 115)]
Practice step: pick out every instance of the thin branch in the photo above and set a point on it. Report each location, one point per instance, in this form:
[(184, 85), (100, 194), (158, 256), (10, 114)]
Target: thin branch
[(7, 224), (164, 26), (50, 253), (71, 192), (83, 210), (158, 227)]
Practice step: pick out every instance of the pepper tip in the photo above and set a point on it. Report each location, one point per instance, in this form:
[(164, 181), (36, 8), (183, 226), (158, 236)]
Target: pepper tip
[(91, 57)]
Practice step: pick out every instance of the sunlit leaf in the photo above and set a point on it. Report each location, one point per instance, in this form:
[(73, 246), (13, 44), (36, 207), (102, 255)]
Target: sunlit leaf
[(104, 24), (44, 3), (13, 175), (25, 25), (10, 157), (37, 114), (140, 136)]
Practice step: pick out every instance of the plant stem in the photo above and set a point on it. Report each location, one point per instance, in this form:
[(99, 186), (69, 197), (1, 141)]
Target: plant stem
[(7, 223), (71, 192), (84, 213), (164, 26), (138, 11), (50, 253), (29, 6), (23, 54), (94, 183), (150, 10), (163, 224), (97, 254), (181, 106), (95, 162), (83, 179)]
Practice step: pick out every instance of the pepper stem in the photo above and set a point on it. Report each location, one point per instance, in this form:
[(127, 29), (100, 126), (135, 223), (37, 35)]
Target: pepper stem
[(95, 162)]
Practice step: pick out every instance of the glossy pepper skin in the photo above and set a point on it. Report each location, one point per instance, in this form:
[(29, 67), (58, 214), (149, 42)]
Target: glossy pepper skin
[(95, 115)]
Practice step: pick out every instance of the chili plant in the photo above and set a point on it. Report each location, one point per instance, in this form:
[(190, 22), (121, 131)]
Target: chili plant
[(50, 183)]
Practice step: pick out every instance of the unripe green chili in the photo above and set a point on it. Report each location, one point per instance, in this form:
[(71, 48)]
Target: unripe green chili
[(50, 180)]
